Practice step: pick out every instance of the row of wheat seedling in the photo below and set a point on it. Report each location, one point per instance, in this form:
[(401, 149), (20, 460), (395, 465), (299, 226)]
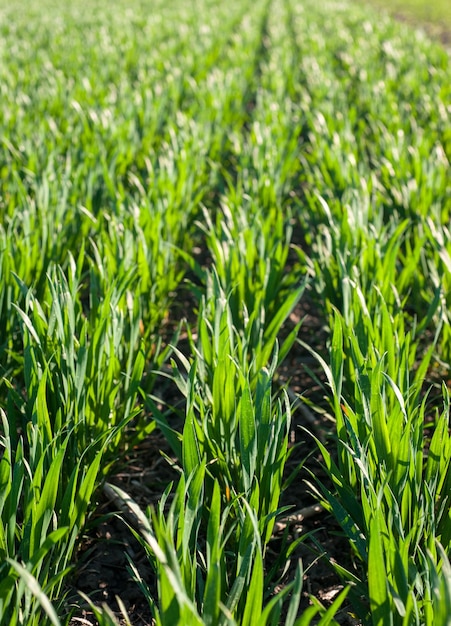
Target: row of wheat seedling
[(398, 523), (178, 141), (105, 187), (98, 205), (377, 177), (210, 549)]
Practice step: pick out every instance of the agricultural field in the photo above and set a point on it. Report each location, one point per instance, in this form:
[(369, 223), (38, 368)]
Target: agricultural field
[(225, 315), (437, 11), (434, 17)]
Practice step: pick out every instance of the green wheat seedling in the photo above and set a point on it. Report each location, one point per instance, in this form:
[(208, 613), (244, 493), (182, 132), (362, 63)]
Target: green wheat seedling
[(232, 422), (361, 253), (45, 496), (58, 439), (210, 564), (380, 331), (243, 439), (439, 270), (27, 246), (249, 250), (234, 426), (224, 319), (81, 363), (248, 293), (392, 480)]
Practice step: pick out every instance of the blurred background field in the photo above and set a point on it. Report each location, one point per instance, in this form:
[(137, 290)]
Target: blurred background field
[(434, 16)]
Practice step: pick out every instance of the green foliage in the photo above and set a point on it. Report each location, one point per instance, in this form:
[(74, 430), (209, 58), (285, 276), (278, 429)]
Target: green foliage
[(391, 482), (58, 438), (239, 157)]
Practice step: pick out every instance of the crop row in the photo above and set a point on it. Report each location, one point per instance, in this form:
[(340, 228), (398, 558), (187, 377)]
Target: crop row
[(242, 158)]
